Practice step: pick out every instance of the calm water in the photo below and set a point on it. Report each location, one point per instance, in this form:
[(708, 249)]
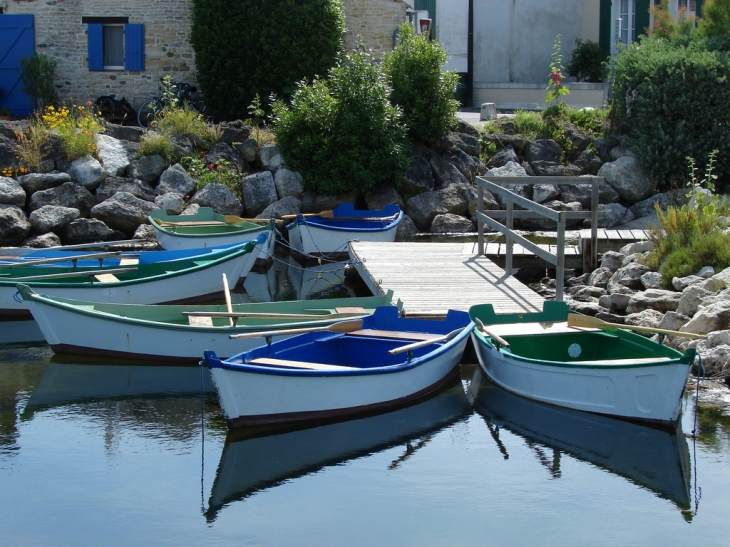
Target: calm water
[(117, 454)]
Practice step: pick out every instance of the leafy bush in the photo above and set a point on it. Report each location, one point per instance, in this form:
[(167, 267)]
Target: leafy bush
[(37, 74), (182, 120), (247, 47), (220, 172), (420, 87), (530, 124), (690, 236), (671, 96), (341, 133), (588, 63)]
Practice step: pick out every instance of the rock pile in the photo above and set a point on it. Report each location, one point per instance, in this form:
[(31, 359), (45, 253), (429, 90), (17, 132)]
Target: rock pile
[(110, 197)]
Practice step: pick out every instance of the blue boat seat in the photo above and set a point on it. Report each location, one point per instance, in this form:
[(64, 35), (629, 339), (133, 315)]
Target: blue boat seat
[(269, 362)]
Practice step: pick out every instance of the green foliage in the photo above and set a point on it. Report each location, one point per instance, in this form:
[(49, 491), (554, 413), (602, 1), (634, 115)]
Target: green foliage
[(715, 18), (182, 120), (153, 143), (530, 124), (671, 97), (690, 237), (666, 26), (220, 172), (250, 47), (593, 120), (37, 75), (341, 133), (588, 63), (420, 87), (555, 88)]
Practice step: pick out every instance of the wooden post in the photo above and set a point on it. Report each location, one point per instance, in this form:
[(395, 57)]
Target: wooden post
[(480, 223), (508, 253), (560, 266)]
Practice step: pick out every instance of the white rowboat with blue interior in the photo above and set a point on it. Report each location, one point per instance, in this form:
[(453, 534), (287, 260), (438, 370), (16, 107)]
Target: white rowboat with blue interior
[(351, 368), (328, 235)]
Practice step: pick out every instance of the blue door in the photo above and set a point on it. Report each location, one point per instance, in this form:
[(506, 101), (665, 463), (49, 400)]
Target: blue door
[(17, 40)]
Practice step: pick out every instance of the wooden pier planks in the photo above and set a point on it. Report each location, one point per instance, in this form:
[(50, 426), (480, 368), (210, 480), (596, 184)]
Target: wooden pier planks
[(431, 278)]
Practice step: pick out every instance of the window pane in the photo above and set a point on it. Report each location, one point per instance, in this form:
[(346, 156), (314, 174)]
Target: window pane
[(113, 45)]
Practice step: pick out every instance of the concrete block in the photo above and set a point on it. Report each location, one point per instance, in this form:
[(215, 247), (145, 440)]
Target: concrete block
[(488, 112)]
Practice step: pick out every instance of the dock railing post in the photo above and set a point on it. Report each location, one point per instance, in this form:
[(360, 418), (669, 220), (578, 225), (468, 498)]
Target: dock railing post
[(594, 222), (510, 243), (560, 266), (480, 223)]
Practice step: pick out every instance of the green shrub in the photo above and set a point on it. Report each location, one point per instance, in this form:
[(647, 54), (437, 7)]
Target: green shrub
[(531, 125), (341, 133), (250, 47), (37, 75), (420, 87), (588, 63), (671, 96), (182, 120), (220, 172), (690, 237), (153, 143)]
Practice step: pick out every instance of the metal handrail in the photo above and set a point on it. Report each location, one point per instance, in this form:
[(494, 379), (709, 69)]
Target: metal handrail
[(538, 211)]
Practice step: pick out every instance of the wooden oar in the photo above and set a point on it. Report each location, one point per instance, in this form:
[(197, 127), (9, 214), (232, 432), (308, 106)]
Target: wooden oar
[(227, 294), (324, 214), (192, 223), (89, 256), (342, 326), (578, 320), (497, 339), (233, 219), (87, 273), (263, 315), (423, 343)]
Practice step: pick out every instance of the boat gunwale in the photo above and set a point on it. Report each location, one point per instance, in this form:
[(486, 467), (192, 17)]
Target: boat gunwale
[(401, 366), (196, 265), (686, 358)]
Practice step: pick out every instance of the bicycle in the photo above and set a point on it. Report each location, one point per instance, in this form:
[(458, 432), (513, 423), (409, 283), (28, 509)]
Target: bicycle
[(178, 93)]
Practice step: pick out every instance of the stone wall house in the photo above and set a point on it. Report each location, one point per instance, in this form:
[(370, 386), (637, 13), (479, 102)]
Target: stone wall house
[(156, 37)]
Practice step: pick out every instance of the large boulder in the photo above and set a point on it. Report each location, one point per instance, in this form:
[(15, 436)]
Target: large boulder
[(35, 182), (11, 192), (626, 177), (123, 212), (14, 226), (218, 197), (176, 179), (115, 154), (51, 218), (87, 171), (423, 208), (258, 192), (85, 230), (69, 194)]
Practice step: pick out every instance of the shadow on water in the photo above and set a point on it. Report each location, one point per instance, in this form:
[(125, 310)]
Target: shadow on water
[(655, 459)]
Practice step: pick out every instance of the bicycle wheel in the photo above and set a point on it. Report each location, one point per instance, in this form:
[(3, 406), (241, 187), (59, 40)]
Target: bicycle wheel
[(147, 112)]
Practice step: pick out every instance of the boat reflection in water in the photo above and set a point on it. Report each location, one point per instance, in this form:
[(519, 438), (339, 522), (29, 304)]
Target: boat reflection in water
[(249, 465), (655, 459), (69, 380)]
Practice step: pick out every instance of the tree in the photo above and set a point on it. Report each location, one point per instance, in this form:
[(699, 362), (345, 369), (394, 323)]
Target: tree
[(341, 132), (245, 48), (421, 87), (715, 18)]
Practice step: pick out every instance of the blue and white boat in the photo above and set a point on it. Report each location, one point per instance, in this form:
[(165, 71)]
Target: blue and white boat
[(328, 234), (350, 368)]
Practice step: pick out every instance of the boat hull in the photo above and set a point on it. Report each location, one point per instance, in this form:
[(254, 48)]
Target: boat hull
[(318, 237), (155, 333), (185, 285), (646, 393), (257, 395)]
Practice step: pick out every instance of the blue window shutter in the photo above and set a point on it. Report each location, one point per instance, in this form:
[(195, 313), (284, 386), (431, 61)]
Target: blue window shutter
[(134, 47), (96, 46)]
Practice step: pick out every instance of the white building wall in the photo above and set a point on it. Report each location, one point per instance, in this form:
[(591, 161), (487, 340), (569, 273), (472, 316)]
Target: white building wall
[(513, 39), (452, 31)]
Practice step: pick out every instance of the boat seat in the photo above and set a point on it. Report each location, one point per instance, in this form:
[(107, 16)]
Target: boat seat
[(636, 361), (349, 309), (397, 335), (198, 321), (286, 363), (106, 278), (128, 261), (530, 329)]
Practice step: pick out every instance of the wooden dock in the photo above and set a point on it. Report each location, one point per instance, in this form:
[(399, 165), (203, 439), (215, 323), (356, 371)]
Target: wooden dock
[(431, 278)]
